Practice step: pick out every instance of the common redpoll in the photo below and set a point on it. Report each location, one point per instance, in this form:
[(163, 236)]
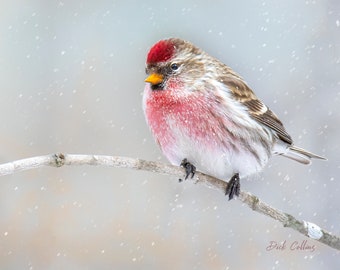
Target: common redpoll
[(203, 114)]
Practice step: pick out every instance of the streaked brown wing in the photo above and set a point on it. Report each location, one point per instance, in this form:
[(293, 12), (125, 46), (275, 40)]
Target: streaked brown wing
[(268, 118), (257, 109)]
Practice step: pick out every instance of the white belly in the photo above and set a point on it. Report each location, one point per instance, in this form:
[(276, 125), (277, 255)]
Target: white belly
[(215, 158)]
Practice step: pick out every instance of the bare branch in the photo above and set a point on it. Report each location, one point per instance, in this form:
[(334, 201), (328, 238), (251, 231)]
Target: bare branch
[(57, 160)]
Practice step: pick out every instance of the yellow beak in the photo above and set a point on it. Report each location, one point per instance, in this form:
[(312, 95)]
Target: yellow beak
[(154, 78)]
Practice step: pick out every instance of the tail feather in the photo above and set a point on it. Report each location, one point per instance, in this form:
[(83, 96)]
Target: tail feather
[(300, 155)]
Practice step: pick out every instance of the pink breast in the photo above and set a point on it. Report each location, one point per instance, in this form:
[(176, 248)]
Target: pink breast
[(194, 115)]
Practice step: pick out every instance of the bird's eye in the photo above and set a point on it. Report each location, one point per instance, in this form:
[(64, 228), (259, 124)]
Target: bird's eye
[(174, 66)]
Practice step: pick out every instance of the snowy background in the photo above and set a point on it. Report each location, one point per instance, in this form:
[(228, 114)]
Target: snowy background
[(71, 79)]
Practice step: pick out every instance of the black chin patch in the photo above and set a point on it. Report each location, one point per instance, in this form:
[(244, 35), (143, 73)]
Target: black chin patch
[(157, 87)]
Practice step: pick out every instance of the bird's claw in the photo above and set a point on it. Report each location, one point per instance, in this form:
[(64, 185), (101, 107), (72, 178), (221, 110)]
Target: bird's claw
[(189, 169), (233, 187)]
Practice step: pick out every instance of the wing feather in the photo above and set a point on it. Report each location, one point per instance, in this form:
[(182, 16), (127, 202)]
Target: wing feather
[(265, 116), (256, 108)]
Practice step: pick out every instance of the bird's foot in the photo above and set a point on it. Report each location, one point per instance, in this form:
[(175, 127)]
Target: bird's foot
[(233, 187), (189, 169)]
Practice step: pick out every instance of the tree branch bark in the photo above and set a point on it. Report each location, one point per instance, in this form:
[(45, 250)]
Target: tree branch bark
[(58, 160)]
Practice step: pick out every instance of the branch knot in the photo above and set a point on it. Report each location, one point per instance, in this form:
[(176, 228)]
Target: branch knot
[(59, 159)]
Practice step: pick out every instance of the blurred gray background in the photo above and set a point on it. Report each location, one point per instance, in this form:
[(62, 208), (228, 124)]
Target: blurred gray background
[(72, 77)]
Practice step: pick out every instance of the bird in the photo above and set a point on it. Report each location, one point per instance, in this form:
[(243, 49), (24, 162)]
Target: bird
[(204, 115)]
